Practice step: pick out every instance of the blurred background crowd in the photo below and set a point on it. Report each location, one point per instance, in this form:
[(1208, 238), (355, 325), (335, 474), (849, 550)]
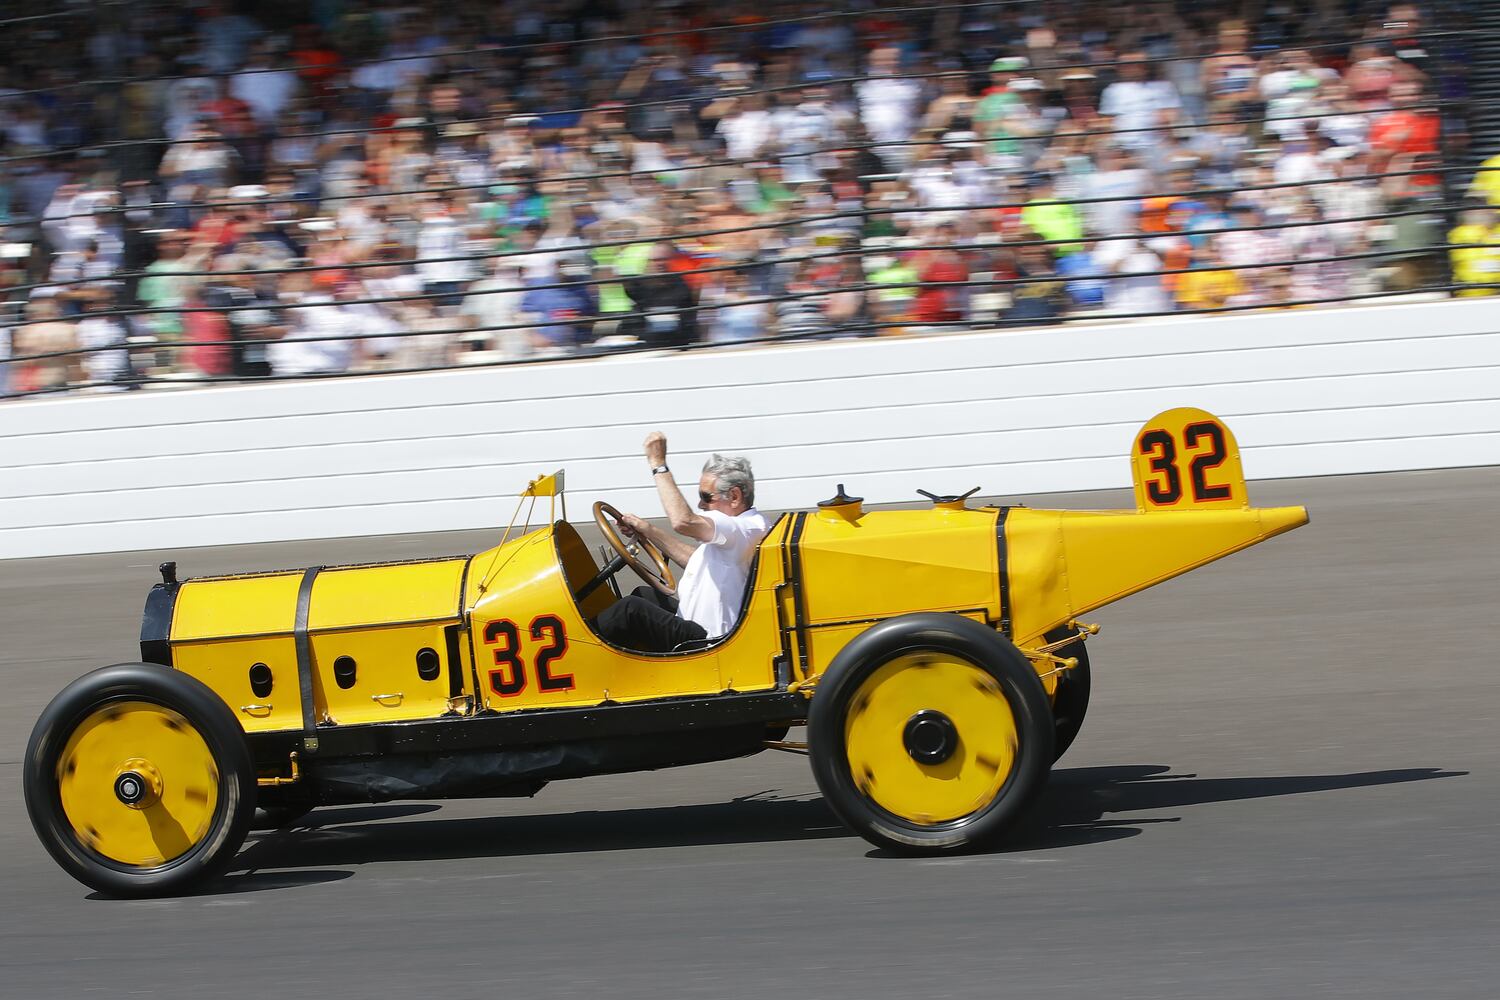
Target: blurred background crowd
[(220, 190)]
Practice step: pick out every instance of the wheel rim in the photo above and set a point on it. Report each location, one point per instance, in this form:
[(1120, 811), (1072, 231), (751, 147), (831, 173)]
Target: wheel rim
[(930, 738), (138, 784)]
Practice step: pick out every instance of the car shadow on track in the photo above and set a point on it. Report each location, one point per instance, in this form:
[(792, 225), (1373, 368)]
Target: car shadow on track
[(320, 840), (1078, 807), (1078, 800)]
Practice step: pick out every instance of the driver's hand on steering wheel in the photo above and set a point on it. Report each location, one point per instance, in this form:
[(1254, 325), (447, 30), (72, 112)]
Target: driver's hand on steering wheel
[(632, 526)]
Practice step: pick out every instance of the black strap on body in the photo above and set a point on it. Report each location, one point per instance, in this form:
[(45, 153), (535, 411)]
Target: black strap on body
[(305, 659)]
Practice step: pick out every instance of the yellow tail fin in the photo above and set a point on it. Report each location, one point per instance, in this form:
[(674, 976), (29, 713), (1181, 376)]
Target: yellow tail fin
[(1186, 459)]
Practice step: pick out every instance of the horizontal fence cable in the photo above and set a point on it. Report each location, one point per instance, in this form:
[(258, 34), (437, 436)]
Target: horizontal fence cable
[(89, 11), (823, 335), (585, 246)]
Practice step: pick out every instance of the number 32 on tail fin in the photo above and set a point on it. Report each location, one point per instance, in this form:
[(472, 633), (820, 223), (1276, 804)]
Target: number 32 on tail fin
[(1186, 459)]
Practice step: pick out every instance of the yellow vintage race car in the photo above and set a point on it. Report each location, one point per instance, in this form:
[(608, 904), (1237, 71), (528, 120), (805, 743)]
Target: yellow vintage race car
[(934, 655)]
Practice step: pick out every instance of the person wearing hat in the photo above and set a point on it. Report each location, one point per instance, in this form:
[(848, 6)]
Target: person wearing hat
[(1080, 98), (997, 103), (462, 153)]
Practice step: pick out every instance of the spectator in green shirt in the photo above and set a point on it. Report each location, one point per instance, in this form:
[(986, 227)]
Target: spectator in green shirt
[(1052, 219), (997, 103), (896, 277), (626, 261)]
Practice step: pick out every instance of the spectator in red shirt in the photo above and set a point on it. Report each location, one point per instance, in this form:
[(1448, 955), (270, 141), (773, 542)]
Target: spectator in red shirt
[(315, 62), (939, 300), (1408, 130)]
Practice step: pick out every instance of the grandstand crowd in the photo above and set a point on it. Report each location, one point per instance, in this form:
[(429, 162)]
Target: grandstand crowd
[(468, 181)]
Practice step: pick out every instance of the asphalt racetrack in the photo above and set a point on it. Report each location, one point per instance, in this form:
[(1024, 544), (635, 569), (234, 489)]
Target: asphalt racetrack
[(1288, 786)]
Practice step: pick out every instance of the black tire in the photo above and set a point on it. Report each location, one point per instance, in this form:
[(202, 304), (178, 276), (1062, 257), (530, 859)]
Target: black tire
[(974, 644), (212, 720), (1070, 703)]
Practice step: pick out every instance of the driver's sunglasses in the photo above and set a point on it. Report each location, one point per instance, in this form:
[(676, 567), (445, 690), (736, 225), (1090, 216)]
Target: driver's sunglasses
[(706, 497)]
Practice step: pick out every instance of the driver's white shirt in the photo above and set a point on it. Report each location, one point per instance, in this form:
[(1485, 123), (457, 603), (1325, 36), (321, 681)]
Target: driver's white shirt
[(713, 584)]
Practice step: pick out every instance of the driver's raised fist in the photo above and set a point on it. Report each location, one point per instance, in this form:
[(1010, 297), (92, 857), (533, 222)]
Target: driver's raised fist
[(656, 448)]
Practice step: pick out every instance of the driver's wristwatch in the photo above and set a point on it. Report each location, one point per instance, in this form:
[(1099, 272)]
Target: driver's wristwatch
[(657, 470)]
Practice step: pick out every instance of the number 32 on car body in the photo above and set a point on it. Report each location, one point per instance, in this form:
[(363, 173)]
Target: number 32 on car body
[(509, 676), (1186, 458)]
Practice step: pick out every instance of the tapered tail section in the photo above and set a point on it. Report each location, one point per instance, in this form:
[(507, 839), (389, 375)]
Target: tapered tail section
[(1191, 508), (1066, 563)]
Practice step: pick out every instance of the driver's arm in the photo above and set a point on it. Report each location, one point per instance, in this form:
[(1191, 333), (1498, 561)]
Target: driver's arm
[(684, 520), (672, 546)]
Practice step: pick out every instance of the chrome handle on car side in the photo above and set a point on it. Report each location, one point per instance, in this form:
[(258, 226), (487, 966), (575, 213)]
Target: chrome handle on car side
[(393, 696), (252, 709)]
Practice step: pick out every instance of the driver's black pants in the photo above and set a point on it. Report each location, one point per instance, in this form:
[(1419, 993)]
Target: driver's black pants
[(647, 620)]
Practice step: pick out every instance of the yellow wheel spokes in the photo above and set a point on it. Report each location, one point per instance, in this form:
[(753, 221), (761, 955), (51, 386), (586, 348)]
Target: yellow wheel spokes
[(977, 762), (138, 783)]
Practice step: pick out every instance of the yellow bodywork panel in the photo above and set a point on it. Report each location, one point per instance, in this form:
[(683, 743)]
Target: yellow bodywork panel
[(860, 566), (223, 626), (385, 685), (379, 619), (380, 616), (883, 563), (381, 595), (1065, 563), (218, 607), (533, 648), (224, 665), (824, 642)]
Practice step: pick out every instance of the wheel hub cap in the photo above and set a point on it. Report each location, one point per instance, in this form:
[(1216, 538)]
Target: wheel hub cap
[(138, 784), (930, 737)]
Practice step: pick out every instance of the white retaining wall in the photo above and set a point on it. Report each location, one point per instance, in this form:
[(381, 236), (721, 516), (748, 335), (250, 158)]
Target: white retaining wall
[(1307, 393)]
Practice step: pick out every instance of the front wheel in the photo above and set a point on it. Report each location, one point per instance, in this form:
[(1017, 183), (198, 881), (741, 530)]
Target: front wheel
[(930, 733), (139, 781)]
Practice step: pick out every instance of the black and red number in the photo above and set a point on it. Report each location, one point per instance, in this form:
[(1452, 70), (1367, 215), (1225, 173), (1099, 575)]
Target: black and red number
[(1210, 459), (509, 678), (1166, 490), (551, 653)]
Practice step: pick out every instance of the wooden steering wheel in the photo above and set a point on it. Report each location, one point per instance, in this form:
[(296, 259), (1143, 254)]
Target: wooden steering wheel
[(657, 572)]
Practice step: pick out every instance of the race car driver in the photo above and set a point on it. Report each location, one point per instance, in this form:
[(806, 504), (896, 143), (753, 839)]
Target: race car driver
[(714, 546)]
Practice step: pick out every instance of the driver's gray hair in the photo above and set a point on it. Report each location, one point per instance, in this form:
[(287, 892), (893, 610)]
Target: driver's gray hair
[(730, 471)]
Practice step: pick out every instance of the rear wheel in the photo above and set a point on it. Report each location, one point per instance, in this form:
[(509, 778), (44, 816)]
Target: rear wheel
[(930, 733), (1070, 702), (138, 781)]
